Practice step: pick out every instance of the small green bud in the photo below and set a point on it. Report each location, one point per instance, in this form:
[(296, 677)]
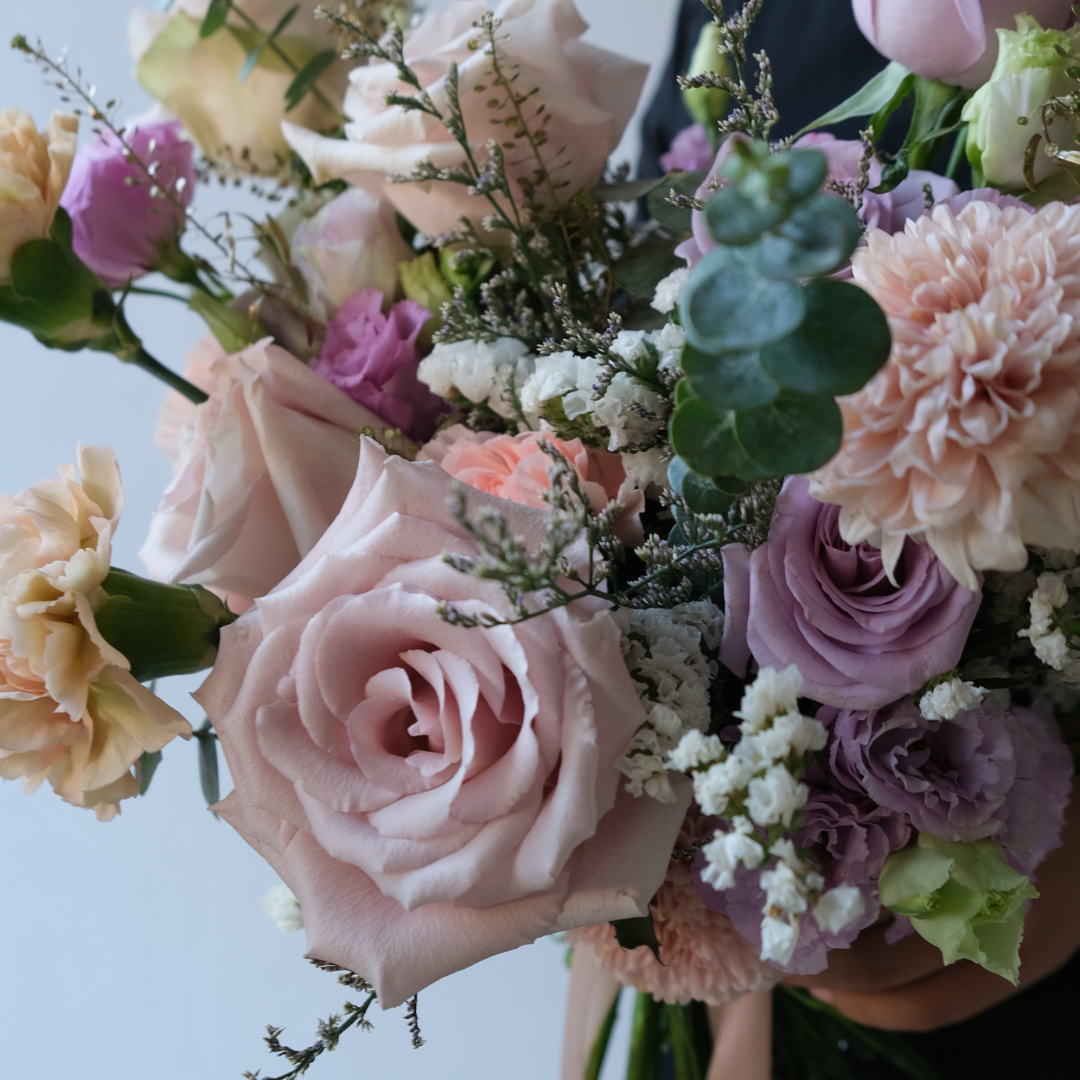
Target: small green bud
[(708, 105)]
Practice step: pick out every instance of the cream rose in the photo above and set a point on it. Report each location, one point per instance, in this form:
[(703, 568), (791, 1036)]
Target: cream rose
[(588, 96), (195, 78), (70, 711), (432, 794), (34, 168), (261, 469)]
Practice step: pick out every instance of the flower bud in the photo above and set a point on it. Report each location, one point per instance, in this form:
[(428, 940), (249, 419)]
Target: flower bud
[(707, 105)]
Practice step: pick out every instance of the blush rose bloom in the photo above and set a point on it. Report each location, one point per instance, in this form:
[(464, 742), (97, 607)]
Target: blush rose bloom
[(514, 467), (121, 229), (352, 243), (34, 167), (260, 470), (70, 711), (432, 794), (952, 40), (860, 640), (588, 94), (195, 78)]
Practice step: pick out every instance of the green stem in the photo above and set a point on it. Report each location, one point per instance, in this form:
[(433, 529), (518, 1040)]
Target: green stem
[(600, 1043), (957, 152), (142, 290), (645, 1040), (178, 383)]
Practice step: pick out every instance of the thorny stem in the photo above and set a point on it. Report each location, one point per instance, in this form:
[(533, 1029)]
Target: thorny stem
[(59, 68)]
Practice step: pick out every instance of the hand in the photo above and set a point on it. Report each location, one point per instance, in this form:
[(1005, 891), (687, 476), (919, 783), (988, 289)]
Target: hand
[(905, 987)]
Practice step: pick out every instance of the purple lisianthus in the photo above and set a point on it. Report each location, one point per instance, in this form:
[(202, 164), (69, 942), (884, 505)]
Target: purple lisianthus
[(987, 772), (690, 151), (373, 357), (859, 640), (124, 223)]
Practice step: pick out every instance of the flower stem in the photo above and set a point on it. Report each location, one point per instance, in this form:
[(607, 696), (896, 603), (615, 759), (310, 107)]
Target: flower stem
[(143, 359)]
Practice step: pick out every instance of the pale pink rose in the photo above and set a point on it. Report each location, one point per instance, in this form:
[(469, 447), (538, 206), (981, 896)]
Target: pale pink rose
[(588, 96), (70, 711), (702, 955), (953, 40), (514, 467), (34, 168), (260, 470), (432, 794), (969, 438)]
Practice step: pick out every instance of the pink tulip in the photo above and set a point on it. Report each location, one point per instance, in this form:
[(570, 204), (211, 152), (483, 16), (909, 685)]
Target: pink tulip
[(953, 40)]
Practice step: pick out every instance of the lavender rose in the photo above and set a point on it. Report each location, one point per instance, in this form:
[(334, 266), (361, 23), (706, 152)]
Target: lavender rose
[(690, 150), (124, 225), (859, 640), (373, 358), (987, 772)]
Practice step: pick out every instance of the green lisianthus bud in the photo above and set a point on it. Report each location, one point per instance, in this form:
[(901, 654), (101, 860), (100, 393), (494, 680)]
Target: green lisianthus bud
[(963, 898), (707, 105), (422, 281), (1006, 112), (161, 629)]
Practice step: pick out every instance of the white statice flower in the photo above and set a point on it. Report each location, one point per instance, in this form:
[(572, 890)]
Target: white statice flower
[(282, 908), (950, 698), (790, 734), (631, 412), (785, 891), (726, 852), (648, 468), (773, 693), (560, 375), (778, 940), (670, 289), (695, 749), (669, 342), (715, 786), (776, 797), (1053, 650), (1049, 641), (665, 651), (838, 908), (480, 371)]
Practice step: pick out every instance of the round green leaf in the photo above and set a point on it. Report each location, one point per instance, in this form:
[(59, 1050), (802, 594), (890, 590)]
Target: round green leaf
[(841, 344), (807, 170), (734, 219), (731, 380), (703, 436), (728, 305), (816, 239), (702, 496), (795, 434)]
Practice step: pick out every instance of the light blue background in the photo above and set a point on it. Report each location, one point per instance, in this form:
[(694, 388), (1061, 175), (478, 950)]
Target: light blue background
[(137, 950)]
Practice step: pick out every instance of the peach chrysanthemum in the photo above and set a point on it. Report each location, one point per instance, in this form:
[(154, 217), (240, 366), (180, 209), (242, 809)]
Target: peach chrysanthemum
[(704, 957), (969, 438)]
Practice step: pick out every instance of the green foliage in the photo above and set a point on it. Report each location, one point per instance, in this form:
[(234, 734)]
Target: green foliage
[(307, 76), (882, 93), (646, 265), (255, 54), (209, 777), (216, 16), (770, 339)]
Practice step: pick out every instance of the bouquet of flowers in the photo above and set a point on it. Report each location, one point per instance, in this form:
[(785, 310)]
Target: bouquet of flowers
[(703, 584)]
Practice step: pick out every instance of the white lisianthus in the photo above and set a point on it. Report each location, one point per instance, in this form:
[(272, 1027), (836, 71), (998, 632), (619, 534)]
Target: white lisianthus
[(1006, 112)]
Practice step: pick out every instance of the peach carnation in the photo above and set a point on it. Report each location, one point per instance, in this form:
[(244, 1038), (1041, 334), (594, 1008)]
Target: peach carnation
[(702, 956), (70, 710), (969, 438), (515, 467)]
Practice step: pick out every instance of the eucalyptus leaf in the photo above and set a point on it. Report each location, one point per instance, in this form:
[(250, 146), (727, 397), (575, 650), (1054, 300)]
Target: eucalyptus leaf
[(216, 15), (730, 380), (307, 77), (728, 305), (701, 495), (735, 220), (209, 777), (840, 345), (874, 96), (704, 437), (676, 218), (816, 239), (807, 170), (795, 434)]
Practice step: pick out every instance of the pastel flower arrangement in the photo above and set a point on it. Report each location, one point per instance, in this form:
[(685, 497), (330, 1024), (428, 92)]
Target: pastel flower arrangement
[(711, 611)]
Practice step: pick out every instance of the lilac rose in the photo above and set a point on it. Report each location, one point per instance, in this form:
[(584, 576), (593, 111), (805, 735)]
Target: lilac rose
[(124, 224), (373, 357), (690, 151), (860, 640), (987, 772)]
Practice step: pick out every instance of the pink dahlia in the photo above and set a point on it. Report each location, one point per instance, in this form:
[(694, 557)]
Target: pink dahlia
[(703, 957), (969, 438)]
